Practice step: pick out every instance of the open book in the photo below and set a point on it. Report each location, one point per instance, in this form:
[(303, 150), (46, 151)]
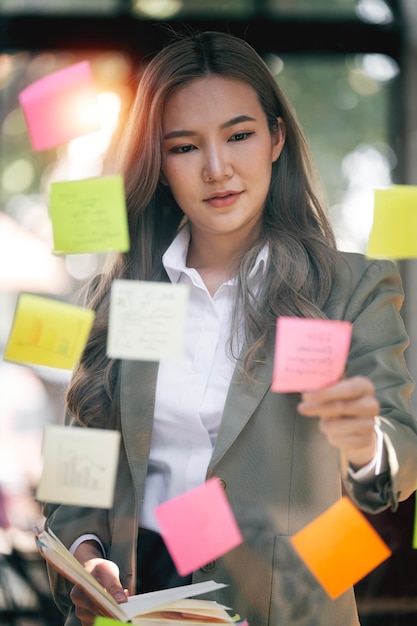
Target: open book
[(157, 608)]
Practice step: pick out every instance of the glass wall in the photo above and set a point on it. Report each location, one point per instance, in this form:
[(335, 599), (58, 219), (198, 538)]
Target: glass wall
[(349, 107)]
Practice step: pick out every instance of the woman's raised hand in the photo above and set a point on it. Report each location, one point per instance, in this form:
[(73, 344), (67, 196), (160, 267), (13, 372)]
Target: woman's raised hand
[(347, 413)]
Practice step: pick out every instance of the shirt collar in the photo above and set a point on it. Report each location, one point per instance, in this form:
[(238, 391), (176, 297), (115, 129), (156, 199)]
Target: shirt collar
[(174, 258), (259, 267)]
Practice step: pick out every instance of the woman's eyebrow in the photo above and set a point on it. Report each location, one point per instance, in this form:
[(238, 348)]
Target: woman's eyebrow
[(237, 120), (180, 133), (192, 133)]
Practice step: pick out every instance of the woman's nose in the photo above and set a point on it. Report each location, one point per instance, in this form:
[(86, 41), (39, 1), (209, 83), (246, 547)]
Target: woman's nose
[(217, 166)]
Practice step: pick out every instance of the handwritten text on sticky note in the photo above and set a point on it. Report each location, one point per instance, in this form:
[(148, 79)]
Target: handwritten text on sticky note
[(79, 466), (89, 215), (198, 526), (340, 547), (48, 332), (309, 353), (60, 106), (146, 320), (394, 229)]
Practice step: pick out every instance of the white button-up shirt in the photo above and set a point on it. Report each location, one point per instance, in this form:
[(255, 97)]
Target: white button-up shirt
[(191, 391)]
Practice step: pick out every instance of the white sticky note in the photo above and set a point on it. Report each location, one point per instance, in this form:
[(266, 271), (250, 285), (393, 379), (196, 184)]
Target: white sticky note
[(146, 320), (79, 466)]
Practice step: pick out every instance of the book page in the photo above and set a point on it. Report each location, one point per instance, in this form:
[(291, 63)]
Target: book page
[(145, 602)]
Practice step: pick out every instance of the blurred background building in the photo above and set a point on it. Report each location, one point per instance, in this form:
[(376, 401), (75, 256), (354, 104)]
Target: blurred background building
[(350, 69)]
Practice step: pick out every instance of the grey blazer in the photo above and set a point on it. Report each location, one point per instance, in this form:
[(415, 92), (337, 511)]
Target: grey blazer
[(278, 469)]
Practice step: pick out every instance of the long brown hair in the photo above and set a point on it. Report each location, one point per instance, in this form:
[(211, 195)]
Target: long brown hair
[(301, 243)]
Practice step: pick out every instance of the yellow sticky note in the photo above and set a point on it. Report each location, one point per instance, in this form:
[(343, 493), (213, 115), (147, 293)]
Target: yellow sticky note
[(394, 231), (340, 547), (89, 215), (48, 332), (107, 621)]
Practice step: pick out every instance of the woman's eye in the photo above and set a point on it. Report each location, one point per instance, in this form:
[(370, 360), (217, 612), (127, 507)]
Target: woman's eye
[(241, 136), (182, 149)]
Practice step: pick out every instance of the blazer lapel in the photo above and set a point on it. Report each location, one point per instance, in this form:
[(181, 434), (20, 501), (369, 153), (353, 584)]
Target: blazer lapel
[(137, 406), (242, 400)]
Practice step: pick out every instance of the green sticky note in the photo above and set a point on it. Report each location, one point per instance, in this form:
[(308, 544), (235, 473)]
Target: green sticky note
[(48, 332), (394, 230), (89, 215), (107, 621)]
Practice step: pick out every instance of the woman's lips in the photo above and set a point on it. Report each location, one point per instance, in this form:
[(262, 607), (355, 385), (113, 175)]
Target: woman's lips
[(223, 199)]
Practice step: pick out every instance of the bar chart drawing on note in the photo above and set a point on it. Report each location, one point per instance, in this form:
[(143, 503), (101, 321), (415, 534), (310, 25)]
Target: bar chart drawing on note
[(79, 466), (78, 470), (48, 339)]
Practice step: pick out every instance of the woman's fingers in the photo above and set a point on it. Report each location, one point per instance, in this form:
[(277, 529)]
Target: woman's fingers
[(347, 413), (357, 432), (351, 397), (85, 609), (107, 574)]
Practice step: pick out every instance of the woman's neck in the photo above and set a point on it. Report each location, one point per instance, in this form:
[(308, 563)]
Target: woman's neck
[(215, 258)]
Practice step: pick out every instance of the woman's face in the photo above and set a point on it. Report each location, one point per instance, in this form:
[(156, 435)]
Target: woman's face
[(217, 155)]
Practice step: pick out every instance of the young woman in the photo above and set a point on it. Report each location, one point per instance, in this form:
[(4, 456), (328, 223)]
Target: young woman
[(220, 197)]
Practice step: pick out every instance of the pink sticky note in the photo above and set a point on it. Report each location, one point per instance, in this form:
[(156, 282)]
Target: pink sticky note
[(198, 526), (309, 353), (60, 106)]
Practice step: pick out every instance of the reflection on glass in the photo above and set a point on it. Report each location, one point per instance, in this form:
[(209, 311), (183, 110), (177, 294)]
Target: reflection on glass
[(315, 8), (60, 7), (165, 9), (374, 11), (161, 9), (371, 11)]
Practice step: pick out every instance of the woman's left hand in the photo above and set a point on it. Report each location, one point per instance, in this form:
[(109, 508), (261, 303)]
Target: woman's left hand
[(347, 413)]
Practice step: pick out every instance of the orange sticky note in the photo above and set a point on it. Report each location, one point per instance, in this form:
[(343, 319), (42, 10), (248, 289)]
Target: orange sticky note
[(60, 106), (198, 526), (309, 353), (340, 547)]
